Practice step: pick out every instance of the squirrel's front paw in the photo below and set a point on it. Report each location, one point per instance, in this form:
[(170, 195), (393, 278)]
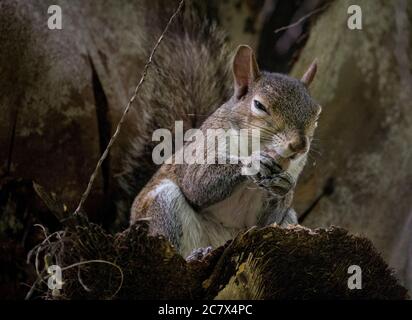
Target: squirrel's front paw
[(278, 185), (199, 254), (272, 177)]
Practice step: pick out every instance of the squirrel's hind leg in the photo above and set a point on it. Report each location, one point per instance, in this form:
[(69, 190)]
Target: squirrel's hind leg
[(289, 218), (172, 216), (279, 211)]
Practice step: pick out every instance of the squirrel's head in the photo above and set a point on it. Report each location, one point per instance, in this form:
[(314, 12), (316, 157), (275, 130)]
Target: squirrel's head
[(278, 105)]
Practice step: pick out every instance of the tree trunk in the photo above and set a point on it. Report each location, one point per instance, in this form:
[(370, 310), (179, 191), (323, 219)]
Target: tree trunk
[(364, 84)]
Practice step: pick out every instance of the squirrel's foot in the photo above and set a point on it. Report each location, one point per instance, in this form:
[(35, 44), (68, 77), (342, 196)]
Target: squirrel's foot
[(199, 253)]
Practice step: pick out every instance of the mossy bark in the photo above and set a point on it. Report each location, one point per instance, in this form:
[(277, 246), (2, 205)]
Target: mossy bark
[(269, 263)]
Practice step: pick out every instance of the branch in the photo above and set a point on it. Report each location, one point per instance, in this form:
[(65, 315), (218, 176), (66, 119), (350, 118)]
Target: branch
[(310, 14)]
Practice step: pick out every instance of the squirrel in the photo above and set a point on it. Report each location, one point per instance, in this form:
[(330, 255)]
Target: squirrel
[(204, 205)]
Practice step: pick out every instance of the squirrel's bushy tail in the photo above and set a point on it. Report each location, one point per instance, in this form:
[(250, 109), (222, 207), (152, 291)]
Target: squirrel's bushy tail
[(188, 80)]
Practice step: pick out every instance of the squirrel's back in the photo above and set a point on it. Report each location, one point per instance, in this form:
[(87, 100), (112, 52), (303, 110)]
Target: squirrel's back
[(189, 79)]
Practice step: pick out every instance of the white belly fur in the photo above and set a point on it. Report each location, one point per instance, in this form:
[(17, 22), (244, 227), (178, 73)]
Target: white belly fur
[(240, 210), (216, 224)]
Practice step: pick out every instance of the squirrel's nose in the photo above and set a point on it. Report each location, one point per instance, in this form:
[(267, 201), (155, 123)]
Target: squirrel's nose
[(298, 147)]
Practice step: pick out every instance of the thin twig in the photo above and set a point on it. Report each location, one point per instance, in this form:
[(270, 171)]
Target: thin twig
[(100, 261), (303, 18), (126, 110), (33, 288)]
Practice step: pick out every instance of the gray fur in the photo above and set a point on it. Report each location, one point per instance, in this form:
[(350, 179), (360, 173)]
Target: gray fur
[(189, 79), (201, 205), (214, 183)]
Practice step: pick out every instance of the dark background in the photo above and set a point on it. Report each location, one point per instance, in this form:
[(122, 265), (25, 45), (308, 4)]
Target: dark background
[(62, 93)]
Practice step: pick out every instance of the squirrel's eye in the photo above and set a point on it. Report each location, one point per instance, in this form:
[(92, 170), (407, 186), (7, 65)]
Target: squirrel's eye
[(259, 106)]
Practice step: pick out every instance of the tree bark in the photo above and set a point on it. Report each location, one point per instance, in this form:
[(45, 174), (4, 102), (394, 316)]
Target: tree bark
[(364, 84)]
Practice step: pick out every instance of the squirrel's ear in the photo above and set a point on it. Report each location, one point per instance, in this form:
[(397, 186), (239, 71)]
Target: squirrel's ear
[(245, 69), (310, 74)]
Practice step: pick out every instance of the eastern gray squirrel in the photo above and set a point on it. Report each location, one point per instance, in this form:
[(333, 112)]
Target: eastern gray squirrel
[(203, 205)]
